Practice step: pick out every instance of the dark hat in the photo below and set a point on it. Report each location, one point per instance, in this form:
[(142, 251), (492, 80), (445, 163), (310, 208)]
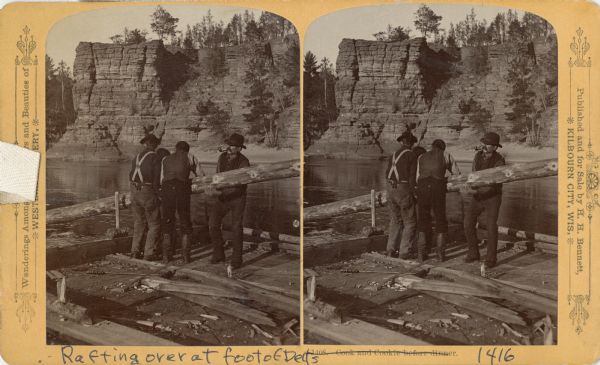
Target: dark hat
[(235, 140), (150, 138), (182, 145), (162, 152), (492, 139), (418, 150), (438, 143), (408, 136)]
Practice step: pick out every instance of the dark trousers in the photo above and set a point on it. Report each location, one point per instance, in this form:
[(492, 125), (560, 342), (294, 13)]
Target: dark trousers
[(431, 195), (176, 198), (146, 214), (473, 208), (403, 219), (220, 208)]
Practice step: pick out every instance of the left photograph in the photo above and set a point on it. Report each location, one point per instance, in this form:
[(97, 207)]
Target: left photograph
[(172, 177)]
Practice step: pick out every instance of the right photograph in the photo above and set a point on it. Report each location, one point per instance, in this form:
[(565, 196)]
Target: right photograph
[(430, 177)]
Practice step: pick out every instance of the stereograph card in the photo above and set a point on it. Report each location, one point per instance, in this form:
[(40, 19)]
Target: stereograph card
[(308, 182)]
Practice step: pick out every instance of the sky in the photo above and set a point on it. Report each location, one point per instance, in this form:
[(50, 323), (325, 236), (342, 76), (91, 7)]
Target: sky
[(100, 25), (325, 34)]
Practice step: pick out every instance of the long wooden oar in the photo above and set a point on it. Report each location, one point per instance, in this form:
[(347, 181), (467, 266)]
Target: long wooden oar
[(248, 175), (497, 175)]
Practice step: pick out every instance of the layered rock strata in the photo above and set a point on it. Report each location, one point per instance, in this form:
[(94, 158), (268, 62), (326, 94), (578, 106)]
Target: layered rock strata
[(383, 87), (123, 91)]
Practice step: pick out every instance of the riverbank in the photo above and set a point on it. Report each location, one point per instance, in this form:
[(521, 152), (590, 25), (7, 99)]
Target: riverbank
[(512, 152), (257, 154)]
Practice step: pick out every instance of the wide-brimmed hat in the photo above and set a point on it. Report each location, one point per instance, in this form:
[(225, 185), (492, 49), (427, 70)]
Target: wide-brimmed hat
[(150, 138), (439, 143), (235, 140), (492, 139), (408, 136)]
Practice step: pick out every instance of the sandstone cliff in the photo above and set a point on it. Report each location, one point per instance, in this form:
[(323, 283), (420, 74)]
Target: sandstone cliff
[(121, 91), (384, 86)]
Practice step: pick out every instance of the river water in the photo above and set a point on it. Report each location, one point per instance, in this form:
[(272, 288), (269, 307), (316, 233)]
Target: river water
[(529, 204), (271, 205)]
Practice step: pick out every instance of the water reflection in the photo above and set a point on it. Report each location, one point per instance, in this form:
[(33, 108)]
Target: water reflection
[(271, 205), (529, 204)]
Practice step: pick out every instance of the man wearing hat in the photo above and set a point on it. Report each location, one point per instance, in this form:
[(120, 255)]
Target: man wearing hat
[(432, 167), (486, 198), (176, 170), (232, 199), (400, 175), (144, 180)]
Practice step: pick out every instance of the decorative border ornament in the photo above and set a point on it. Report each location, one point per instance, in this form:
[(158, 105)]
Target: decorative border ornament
[(580, 48), (25, 281), (582, 296), (579, 314), (26, 45), (25, 311)]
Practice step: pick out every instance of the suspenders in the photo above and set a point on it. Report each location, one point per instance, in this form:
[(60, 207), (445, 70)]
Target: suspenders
[(138, 167), (162, 169), (393, 169)]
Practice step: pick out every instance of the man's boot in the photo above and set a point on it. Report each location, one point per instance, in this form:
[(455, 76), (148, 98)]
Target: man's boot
[(185, 248), (429, 240), (422, 246), (440, 246), (166, 248)]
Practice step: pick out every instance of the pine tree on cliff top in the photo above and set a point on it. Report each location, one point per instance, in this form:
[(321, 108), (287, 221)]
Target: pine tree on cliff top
[(427, 22), (523, 114), (163, 23), (262, 116)]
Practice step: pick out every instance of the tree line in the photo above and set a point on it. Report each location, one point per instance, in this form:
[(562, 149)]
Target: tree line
[(208, 32), (270, 88), (319, 97), (59, 100), (532, 78), (471, 31)]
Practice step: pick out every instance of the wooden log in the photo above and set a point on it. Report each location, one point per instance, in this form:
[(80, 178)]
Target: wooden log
[(255, 293), (497, 175), (248, 175), (552, 294), (357, 332), (201, 276), (507, 292), (336, 249), (229, 307), (253, 232), (70, 311), (63, 256), (75, 254), (275, 289), (532, 236), (104, 333), (414, 282), (480, 306), (537, 298), (532, 245), (505, 174), (166, 285)]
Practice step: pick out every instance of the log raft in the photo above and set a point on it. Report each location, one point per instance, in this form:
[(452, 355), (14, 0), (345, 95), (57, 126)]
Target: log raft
[(498, 175), (248, 175)]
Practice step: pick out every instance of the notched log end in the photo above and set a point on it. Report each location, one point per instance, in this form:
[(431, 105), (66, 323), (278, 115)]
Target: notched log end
[(552, 166)]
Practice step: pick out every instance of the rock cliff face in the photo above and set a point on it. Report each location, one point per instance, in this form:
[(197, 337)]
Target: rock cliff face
[(121, 91), (384, 86)]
